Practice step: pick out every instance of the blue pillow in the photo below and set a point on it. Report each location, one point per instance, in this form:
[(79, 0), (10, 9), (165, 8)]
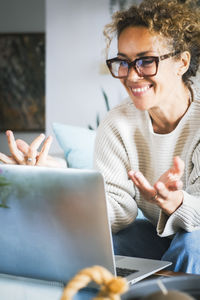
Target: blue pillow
[(77, 144)]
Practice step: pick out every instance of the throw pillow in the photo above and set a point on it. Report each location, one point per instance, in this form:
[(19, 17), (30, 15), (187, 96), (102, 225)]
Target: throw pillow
[(77, 144)]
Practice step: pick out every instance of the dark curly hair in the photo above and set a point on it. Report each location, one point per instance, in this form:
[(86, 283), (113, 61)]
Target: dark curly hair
[(176, 20)]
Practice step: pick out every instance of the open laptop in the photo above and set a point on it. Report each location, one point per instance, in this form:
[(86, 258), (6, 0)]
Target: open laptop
[(54, 222)]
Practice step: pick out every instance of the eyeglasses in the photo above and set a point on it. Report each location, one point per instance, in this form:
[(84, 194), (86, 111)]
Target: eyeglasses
[(144, 66)]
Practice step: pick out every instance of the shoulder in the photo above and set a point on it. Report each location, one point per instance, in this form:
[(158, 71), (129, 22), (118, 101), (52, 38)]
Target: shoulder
[(121, 115), (124, 108), (195, 88)]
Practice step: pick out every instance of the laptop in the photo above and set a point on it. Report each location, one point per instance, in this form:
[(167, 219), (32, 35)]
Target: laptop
[(54, 222)]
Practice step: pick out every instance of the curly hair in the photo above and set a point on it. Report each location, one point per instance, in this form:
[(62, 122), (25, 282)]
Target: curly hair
[(176, 20)]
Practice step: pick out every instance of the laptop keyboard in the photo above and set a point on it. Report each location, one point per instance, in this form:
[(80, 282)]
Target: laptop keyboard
[(123, 272)]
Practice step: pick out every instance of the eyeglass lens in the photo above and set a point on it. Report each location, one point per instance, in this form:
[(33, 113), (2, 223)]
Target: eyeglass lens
[(144, 66)]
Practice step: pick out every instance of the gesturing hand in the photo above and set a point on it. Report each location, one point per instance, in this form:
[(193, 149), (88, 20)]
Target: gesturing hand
[(166, 191), (24, 154)]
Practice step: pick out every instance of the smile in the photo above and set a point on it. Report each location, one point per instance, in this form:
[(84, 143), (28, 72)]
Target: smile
[(140, 90)]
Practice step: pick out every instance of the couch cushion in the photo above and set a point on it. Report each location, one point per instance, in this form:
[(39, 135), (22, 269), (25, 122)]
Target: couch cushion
[(77, 144)]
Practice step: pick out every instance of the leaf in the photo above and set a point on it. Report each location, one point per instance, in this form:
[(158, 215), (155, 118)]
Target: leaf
[(90, 127), (106, 99), (97, 120), (4, 191), (4, 205), (107, 108), (3, 179), (4, 183)]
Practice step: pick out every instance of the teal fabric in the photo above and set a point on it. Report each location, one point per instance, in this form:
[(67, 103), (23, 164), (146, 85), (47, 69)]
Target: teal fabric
[(77, 144)]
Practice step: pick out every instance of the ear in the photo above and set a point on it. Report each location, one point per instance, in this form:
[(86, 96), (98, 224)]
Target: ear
[(184, 63)]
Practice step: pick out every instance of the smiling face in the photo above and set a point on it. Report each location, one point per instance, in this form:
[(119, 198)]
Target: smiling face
[(149, 92)]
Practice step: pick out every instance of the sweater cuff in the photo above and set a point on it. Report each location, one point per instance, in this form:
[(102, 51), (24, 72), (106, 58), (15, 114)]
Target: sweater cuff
[(184, 217), (166, 225)]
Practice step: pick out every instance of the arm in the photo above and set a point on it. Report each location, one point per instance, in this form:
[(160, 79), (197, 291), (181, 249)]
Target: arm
[(111, 159)]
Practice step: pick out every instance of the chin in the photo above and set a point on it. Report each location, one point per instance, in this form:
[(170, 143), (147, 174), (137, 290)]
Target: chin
[(142, 101), (142, 108), (142, 104)]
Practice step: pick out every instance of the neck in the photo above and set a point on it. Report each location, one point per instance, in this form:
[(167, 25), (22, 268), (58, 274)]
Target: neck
[(166, 116)]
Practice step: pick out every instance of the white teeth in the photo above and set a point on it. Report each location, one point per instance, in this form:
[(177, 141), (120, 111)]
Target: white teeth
[(139, 90)]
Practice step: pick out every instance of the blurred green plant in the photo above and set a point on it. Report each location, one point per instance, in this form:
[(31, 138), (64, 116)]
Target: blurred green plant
[(107, 109), (4, 190)]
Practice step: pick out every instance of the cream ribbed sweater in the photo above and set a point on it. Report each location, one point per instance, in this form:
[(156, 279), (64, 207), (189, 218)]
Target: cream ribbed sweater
[(126, 141)]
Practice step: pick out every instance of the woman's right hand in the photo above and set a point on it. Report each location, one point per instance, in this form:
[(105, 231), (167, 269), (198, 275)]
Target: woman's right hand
[(24, 154), (166, 192)]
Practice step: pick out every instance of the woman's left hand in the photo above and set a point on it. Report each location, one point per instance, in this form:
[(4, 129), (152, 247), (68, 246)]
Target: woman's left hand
[(166, 191)]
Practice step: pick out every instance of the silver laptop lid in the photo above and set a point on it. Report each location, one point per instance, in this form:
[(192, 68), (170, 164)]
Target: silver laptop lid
[(53, 222)]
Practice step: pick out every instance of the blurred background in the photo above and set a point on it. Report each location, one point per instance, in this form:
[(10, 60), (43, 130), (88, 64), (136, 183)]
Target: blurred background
[(75, 79), (74, 70)]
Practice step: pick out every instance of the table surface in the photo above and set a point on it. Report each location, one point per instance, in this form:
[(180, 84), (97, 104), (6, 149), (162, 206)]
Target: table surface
[(19, 289), (170, 273)]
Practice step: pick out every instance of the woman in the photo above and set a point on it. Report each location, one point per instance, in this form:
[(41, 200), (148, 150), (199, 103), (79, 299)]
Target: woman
[(148, 148)]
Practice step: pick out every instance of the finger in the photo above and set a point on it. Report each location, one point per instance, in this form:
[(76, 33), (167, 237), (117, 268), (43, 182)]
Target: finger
[(162, 191), (42, 157), (32, 151), (178, 166), (177, 170), (142, 183), (133, 178), (37, 141), (17, 155), (22, 146), (7, 159), (175, 185)]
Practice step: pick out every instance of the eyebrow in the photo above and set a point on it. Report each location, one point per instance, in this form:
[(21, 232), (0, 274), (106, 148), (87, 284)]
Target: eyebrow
[(137, 55)]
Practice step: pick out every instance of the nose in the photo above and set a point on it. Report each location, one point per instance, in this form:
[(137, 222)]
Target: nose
[(133, 75)]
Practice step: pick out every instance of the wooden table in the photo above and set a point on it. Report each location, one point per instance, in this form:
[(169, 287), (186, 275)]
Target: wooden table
[(169, 273)]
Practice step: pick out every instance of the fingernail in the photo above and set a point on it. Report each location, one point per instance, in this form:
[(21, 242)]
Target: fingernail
[(159, 185), (50, 138), (138, 174), (9, 132), (131, 173)]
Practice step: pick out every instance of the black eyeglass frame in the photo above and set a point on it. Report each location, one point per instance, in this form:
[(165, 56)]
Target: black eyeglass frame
[(134, 63)]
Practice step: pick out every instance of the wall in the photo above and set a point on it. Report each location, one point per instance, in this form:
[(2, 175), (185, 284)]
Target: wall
[(74, 57), (74, 46), (21, 16)]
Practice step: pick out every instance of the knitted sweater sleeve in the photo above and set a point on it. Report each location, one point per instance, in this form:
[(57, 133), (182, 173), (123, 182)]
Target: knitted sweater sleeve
[(111, 159), (187, 216)]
